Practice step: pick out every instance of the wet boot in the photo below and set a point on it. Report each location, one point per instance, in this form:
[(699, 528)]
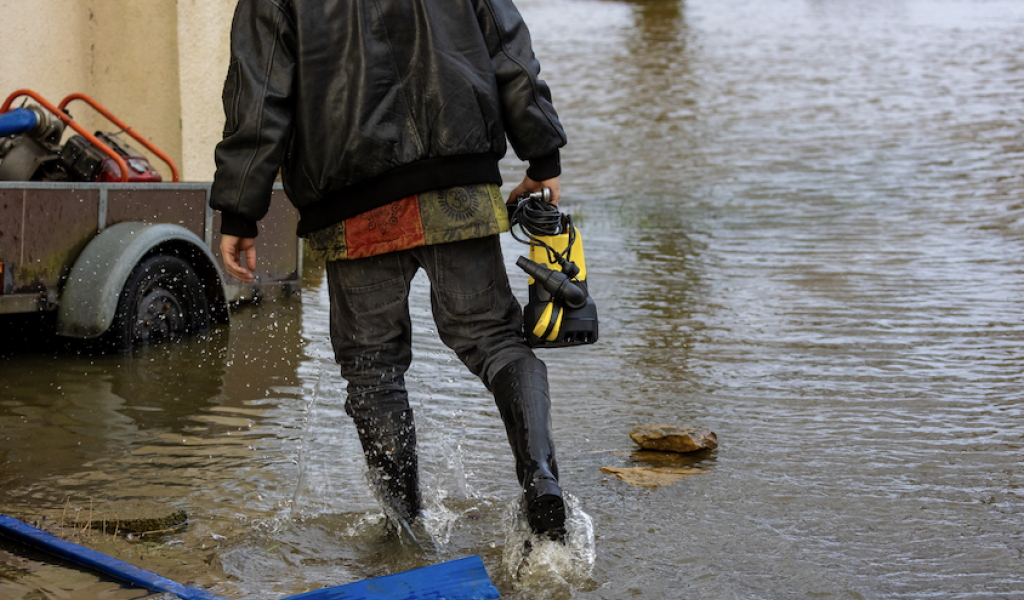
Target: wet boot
[(389, 444), (521, 393)]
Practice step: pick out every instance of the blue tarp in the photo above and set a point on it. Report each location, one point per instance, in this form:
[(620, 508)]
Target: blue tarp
[(462, 579)]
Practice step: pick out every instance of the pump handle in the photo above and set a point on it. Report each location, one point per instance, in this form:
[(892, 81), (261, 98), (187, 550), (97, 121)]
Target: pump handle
[(544, 194)]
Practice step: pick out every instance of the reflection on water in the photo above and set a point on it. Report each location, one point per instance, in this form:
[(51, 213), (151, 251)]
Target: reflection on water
[(803, 222)]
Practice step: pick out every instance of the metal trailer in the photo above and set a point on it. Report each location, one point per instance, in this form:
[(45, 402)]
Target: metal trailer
[(127, 264)]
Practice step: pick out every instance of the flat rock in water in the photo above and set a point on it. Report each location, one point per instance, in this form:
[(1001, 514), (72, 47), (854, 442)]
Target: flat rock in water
[(651, 476), (669, 438)]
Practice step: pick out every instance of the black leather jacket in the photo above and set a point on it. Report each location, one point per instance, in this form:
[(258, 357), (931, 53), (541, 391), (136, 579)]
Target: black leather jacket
[(363, 102)]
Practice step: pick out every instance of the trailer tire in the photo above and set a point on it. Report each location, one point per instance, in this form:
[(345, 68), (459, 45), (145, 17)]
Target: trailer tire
[(162, 300)]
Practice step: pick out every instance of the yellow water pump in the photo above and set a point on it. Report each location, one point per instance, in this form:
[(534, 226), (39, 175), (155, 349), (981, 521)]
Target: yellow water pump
[(560, 311)]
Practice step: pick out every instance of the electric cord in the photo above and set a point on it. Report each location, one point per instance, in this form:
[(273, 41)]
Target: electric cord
[(540, 218)]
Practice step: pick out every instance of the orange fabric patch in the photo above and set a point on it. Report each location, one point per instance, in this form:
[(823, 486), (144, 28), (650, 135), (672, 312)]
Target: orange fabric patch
[(391, 227)]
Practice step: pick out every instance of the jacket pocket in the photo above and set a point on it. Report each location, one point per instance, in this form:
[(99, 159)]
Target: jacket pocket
[(230, 97)]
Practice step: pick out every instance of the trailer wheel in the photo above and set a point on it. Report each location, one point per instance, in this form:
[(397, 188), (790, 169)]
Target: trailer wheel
[(162, 300)]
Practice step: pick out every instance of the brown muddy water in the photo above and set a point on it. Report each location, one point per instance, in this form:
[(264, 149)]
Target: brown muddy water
[(804, 226)]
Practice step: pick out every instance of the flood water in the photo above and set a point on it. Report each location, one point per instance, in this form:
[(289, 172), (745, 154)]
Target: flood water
[(804, 228)]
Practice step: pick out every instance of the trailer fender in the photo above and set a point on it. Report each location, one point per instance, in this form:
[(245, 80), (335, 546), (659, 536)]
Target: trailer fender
[(89, 301)]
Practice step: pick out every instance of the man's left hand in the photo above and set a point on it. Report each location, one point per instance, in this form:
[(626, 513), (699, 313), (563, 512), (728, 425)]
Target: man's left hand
[(528, 185)]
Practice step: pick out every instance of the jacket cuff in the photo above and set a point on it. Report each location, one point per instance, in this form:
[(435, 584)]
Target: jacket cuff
[(232, 224), (545, 167)]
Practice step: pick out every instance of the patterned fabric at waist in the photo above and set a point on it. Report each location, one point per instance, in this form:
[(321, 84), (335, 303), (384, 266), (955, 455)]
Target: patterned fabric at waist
[(436, 217)]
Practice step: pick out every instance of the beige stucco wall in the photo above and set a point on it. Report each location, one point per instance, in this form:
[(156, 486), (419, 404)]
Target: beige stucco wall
[(47, 53), (203, 54), (157, 64)]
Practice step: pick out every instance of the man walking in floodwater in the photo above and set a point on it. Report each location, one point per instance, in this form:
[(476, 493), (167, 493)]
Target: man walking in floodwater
[(387, 119)]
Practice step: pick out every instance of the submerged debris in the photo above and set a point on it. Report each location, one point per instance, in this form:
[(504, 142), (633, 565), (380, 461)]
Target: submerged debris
[(134, 517), (668, 438)]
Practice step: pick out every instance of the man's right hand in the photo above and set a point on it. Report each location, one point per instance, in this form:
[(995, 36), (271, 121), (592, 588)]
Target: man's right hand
[(232, 248)]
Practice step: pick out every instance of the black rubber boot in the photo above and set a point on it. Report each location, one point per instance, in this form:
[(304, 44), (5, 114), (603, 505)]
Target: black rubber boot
[(389, 444), (521, 393)]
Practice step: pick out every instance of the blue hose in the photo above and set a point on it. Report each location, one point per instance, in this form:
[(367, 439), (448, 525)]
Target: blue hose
[(18, 120), (118, 569)]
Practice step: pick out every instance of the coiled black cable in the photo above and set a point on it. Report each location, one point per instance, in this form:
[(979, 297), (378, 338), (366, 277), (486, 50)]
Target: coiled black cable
[(540, 218)]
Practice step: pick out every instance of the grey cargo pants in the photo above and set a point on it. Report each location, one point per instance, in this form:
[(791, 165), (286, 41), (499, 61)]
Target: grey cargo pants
[(474, 310)]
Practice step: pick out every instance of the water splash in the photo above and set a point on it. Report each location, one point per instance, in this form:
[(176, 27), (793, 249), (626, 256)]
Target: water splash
[(541, 568), (443, 455), (309, 425)]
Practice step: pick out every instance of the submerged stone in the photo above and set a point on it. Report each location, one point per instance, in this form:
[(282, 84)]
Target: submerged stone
[(669, 438), (651, 476), (655, 458)]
